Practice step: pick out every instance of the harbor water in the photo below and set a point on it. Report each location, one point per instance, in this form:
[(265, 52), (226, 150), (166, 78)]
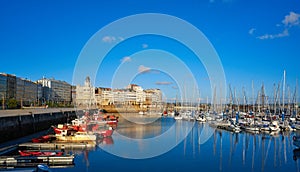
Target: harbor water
[(127, 149)]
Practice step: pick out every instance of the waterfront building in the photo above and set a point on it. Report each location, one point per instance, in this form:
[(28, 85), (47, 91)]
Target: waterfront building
[(40, 94), (140, 94), (26, 92), (3, 89), (7, 86), (85, 95), (131, 95), (153, 96), (104, 96), (55, 91)]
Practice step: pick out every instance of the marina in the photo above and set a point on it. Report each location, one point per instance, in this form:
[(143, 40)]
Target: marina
[(225, 150), (150, 86)]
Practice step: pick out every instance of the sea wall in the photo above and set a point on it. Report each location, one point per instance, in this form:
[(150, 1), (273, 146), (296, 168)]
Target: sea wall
[(16, 126)]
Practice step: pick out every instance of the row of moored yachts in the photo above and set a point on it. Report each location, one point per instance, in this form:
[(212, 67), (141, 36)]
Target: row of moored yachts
[(241, 121)]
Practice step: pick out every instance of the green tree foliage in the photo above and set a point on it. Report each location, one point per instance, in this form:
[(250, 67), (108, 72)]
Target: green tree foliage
[(12, 104)]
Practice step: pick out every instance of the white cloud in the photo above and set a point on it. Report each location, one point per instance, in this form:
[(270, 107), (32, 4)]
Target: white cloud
[(284, 33), (144, 69), (291, 20), (125, 59), (163, 83), (145, 45), (251, 31), (111, 39)]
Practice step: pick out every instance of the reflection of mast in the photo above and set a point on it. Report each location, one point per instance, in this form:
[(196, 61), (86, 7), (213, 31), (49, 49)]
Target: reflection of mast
[(184, 146), (199, 139), (275, 151), (253, 150), (247, 143), (231, 144), (193, 141), (215, 142), (86, 157), (280, 148), (221, 150), (262, 154), (244, 149), (265, 157), (284, 150)]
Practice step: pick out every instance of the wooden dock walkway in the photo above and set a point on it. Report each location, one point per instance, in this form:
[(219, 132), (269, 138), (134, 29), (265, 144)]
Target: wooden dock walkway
[(32, 161), (57, 145)]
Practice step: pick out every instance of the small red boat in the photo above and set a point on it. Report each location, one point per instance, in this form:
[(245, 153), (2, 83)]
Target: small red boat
[(40, 153), (41, 139)]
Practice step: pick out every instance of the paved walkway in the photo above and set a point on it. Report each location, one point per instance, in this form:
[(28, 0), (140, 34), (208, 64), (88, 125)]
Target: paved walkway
[(17, 112)]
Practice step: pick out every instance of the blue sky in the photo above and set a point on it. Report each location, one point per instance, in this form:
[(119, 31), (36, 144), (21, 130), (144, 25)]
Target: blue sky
[(255, 40)]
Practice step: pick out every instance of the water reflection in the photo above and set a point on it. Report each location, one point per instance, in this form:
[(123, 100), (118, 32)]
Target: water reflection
[(142, 131), (105, 141), (260, 152), (224, 151)]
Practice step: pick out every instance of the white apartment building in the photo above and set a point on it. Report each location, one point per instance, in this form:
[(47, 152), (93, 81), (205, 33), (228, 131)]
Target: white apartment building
[(131, 95), (85, 95), (55, 90)]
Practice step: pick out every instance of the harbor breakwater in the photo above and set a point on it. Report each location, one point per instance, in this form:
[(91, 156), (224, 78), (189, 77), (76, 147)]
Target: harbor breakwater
[(15, 124)]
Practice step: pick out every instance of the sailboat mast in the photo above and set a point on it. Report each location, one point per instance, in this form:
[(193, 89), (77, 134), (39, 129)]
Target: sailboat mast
[(283, 91), (296, 98), (274, 100), (253, 96)]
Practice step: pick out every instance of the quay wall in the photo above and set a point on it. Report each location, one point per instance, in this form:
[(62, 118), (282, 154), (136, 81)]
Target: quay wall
[(15, 126)]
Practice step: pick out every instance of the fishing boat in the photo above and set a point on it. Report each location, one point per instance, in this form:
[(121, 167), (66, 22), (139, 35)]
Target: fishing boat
[(69, 134), (78, 136)]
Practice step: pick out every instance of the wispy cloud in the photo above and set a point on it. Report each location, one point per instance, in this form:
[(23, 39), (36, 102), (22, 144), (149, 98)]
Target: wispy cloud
[(163, 83), (145, 45), (284, 33), (111, 39), (290, 20), (125, 59), (251, 31), (144, 69)]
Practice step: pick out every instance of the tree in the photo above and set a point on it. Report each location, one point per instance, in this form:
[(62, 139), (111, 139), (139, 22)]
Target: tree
[(12, 104)]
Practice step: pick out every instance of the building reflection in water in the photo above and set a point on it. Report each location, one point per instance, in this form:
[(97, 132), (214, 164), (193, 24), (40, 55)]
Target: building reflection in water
[(229, 150)]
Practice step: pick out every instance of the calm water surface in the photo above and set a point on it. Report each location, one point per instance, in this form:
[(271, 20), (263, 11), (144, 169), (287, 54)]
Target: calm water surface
[(223, 151)]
